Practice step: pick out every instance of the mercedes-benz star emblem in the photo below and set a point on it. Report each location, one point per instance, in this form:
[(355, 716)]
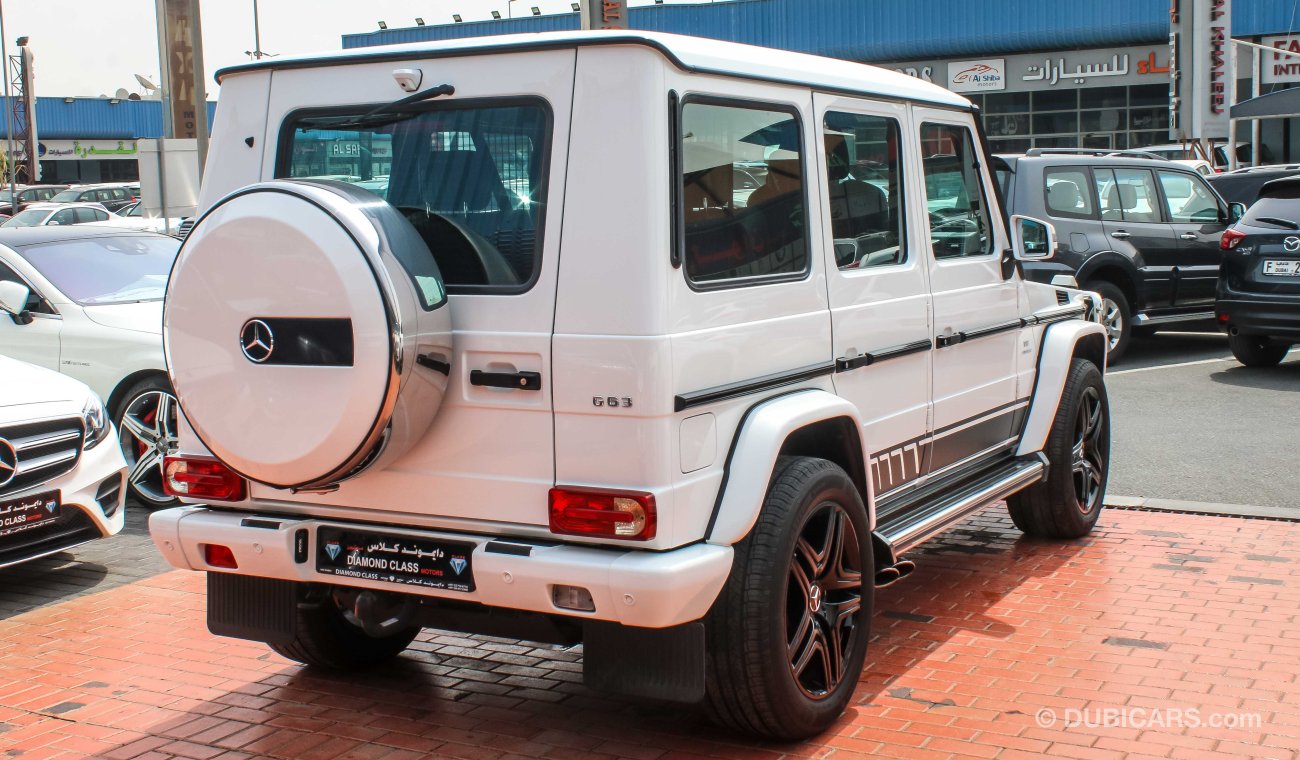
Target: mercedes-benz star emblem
[(1292, 243), (257, 341), (814, 598), (8, 462)]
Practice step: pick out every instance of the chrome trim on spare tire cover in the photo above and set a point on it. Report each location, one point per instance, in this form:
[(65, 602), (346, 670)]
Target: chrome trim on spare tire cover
[(375, 228)]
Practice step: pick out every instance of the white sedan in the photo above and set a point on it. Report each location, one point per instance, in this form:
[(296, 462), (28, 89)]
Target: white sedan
[(60, 474), (133, 217), (58, 215), (94, 312)]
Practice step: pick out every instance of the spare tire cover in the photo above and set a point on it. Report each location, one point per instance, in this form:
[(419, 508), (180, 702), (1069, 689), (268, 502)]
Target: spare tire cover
[(307, 332)]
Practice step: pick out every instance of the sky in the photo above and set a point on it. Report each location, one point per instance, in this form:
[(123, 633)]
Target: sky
[(93, 47)]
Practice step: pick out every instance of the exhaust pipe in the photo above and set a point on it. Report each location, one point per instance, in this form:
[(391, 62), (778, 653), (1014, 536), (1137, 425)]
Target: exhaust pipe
[(888, 576), (381, 614)]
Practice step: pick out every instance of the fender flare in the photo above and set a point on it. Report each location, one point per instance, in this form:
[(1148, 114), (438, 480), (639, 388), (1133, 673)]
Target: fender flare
[(1059, 345), (757, 443)]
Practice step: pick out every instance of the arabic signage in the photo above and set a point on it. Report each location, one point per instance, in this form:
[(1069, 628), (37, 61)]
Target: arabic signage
[(977, 76), (604, 14), (1065, 70), (1278, 68), (80, 150)]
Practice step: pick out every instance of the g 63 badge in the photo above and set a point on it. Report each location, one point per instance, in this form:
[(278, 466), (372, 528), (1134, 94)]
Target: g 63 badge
[(612, 401)]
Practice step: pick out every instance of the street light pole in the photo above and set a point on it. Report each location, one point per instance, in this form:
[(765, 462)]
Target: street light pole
[(257, 35), (9, 116)]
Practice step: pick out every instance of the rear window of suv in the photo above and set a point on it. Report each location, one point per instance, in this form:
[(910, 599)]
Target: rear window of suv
[(470, 178)]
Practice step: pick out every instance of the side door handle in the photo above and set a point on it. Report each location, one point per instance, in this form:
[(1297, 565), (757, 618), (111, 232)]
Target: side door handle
[(1120, 234), (1188, 236), (520, 381)]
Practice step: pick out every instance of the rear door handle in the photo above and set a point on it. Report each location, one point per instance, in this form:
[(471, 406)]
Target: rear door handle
[(521, 381), (1188, 236), (1121, 234)]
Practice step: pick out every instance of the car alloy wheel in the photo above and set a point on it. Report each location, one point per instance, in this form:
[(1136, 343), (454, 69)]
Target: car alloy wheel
[(1112, 318), (147, 433), (1087, 461), (823, 599)]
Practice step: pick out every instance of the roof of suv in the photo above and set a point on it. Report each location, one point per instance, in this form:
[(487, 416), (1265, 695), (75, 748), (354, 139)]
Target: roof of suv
[(694, 54)]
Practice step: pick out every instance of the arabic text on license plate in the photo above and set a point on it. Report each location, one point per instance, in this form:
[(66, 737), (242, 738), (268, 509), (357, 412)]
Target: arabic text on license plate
[(1285, 267), (28, 512), (408, 560)]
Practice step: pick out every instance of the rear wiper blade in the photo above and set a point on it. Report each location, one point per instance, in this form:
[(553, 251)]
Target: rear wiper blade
[(1276, 222), (422, 95)]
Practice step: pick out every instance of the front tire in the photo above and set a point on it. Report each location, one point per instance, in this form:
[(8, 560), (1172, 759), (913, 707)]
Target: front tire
[(1257, 350), (787, 637), (1068, 503), (146, 420), (327, 639), (1117, 318)]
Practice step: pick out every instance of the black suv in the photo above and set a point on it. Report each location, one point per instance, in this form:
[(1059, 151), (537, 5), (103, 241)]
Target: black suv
[(1140, 230), (27, 194), (1258, 300), (111, 197)]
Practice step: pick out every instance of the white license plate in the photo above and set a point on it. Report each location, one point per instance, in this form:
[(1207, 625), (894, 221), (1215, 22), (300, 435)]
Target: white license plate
[(1282, 267)]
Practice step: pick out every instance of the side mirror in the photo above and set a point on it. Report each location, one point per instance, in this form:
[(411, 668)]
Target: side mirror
[(1235, 212), (13, 301), (1031, 239)]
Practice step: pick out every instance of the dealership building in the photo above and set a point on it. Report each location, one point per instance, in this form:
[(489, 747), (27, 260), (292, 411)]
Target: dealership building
[(1048, 74)]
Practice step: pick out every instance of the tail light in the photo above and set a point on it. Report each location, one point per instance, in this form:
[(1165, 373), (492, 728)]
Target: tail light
[(1231, 239), (201, 478), (217, 555), (603, 514)]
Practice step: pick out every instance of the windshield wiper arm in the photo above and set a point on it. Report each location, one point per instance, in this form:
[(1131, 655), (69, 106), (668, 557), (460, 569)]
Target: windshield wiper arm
[(422, 95), (1276, 222)]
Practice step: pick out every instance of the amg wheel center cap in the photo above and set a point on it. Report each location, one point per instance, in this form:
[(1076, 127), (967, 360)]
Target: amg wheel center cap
[(814, 598), (8, 462), (256, 341)]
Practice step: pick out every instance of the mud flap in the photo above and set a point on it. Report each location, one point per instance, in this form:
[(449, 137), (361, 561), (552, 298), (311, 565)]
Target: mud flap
[(257, 609), (652, 663)]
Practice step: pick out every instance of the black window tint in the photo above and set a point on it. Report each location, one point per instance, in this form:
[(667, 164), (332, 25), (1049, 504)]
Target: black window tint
[(1280, 204), (470, 179), (88, 215), (1068, 192), (959, 217), (864, 170), (66, 216), (731, 232)]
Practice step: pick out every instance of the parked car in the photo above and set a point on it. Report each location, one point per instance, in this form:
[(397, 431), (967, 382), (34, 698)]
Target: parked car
[(694, 437), (1217, 158), (27, 194), (1144, 233), (132, 217), (58, 214), (94, 312), (1258, 299), (110, 196), (61, 475), (1243, 185)]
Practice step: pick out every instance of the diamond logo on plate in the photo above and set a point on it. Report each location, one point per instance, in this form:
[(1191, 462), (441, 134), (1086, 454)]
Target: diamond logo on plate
[(458, 564), (333, 549)]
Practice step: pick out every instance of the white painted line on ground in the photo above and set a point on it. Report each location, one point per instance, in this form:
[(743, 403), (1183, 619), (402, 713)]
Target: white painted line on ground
[(1168, 366)]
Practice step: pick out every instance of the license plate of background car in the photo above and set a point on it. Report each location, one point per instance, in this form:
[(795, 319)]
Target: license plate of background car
[(1282, 267), (405, 560), (28, 512)]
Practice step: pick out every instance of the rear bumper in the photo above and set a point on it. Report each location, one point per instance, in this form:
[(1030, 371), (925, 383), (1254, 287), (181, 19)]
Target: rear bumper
[(1272, 318), (637, 588)]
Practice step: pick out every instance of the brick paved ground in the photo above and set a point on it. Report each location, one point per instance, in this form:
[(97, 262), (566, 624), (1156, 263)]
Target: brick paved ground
[(1153, 612)]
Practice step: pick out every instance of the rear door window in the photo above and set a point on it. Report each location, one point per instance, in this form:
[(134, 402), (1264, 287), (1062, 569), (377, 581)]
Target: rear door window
[(1127, 195), (470, 178), (66, 216), (1069, 192), (742, 194), (864, 172)]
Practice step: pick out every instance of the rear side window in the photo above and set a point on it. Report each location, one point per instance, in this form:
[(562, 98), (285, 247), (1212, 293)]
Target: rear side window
[(1069, 193), (954, 195), (864, 172), (470, 178), (1127, 195), (742, 194)]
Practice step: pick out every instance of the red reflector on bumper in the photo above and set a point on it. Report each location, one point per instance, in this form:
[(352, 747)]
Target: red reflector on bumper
[(201, 478), (217, 555), (603, 514)]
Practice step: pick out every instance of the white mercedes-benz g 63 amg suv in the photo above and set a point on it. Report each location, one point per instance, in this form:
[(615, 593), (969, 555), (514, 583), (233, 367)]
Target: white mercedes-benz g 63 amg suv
[(665, 345)]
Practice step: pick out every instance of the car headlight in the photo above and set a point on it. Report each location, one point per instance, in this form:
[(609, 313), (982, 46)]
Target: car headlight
[(95, 421)]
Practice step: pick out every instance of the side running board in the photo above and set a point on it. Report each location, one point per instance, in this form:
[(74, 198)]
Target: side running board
[(905, 531)]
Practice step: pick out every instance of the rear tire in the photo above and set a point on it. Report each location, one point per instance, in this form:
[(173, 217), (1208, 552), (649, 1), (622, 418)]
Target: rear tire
[(1117, 318), (1257, 350), (1068, 502), (325, 639), (787, 638)]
